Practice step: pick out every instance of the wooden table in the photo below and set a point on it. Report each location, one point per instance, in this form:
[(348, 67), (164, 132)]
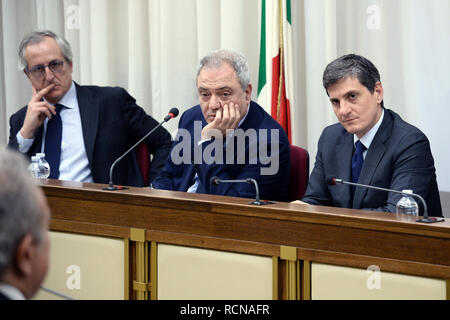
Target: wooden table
[(297, 238)]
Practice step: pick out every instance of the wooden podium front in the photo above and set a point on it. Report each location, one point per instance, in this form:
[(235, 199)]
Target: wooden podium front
[(154, 244)]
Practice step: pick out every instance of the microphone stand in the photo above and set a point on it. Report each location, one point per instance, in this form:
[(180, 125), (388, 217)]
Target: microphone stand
[(257, 202), (426, 219), (111, 186)]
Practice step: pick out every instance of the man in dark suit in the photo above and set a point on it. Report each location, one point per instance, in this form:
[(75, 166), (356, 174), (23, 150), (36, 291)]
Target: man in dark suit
[(227, 136), (395, 154), (98, 123), (24, 223)]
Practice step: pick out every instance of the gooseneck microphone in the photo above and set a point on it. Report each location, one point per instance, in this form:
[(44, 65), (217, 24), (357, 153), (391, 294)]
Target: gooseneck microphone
[(333, 181), (216, 181), (57, 294), (173, 113)]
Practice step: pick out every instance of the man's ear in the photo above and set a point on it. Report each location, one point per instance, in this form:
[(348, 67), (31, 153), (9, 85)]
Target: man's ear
[(24, 256), (248, 93), (378, 92)]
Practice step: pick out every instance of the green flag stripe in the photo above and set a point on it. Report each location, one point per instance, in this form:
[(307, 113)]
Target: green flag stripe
[(262, 50), (288, 11)]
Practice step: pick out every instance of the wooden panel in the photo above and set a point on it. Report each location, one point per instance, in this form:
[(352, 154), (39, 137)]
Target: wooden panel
[(343, 283), (192, 273), (77, 269)]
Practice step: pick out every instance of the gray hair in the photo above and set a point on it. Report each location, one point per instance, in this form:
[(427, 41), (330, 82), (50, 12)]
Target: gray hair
[(239, 63), (20, 212), (352, 65), (36, 37)]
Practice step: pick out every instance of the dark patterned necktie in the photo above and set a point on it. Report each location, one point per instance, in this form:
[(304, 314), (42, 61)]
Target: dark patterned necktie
[(357, 163), (53, 139)]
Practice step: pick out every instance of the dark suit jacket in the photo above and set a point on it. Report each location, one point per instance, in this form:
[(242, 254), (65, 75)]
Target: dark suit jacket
[(111, 123), (399, 158), (245, 161), (3, 297)]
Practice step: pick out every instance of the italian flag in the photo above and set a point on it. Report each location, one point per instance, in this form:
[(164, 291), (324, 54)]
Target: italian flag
[(275, 85)]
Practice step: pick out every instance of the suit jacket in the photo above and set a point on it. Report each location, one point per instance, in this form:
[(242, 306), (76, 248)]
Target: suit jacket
[(238, 163), (399, 158), (4, 297), (111, 123)]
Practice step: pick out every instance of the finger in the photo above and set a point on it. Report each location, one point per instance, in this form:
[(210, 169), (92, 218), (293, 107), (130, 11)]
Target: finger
[(233, 114), (226, 113), (218, 118), (39, 95), (45, 108), (238, 116)]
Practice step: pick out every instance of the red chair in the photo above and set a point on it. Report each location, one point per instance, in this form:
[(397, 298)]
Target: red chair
[(143, 156), (299, 173)]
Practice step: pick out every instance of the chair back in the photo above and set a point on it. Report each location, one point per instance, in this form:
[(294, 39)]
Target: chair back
[(143, 156), (299, 173)]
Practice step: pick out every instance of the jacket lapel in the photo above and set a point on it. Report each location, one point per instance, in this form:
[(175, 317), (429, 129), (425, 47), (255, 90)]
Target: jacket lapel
[(374, 155), (89, 112), (344, 152)]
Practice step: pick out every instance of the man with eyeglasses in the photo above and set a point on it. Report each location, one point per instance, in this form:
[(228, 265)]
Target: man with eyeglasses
[(91, 126)]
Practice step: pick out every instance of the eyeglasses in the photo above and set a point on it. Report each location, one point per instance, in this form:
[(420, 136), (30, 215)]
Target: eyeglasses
[(38, 71)]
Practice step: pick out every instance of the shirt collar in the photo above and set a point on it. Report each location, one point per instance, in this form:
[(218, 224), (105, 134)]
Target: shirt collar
[(70, 97), (11, 292), (367, 139)]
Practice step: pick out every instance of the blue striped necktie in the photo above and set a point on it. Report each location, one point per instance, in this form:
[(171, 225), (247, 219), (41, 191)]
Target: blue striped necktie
[(357, 163), (53, 139)]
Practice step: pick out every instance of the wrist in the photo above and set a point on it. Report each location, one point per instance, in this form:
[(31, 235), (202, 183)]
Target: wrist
[(27, 133)]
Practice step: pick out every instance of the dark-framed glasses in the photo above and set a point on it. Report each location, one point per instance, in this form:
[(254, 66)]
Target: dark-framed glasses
[(39, 70)]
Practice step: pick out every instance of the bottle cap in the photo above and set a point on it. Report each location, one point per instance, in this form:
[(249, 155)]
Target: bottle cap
[(40, 155), (407, 191)]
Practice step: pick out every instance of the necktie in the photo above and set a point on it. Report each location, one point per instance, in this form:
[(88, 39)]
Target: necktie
[(53, 143), (357, 163)]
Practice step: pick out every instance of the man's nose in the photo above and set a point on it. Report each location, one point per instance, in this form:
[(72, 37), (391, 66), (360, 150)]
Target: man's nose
[(49, 75), (345, 108), (214, 102)]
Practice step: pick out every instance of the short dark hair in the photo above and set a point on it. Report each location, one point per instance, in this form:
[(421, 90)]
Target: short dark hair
[(351, 65)]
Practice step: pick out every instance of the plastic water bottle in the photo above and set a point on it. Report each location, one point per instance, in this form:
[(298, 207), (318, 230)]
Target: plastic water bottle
[(34, 167), (44, 166), (407, 205)]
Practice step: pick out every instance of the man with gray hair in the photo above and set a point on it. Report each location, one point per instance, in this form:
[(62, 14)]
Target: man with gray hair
[(370, 145), (227, 137), (81, 129), (24, 223)]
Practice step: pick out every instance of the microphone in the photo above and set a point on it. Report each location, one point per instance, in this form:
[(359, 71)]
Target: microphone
[(216, 181), (172, 114), (56, 293), (333, 181)]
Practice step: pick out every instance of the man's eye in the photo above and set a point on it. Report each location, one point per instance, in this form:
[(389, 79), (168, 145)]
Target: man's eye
[(353, 96), (37, 69), (335, 103)]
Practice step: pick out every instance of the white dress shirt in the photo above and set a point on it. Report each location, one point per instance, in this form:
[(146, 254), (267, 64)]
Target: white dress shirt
[(74, 165), (367, 139), (11, 292)]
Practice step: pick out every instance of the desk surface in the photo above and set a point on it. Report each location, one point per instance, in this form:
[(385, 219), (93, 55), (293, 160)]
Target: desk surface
[(323, 234)]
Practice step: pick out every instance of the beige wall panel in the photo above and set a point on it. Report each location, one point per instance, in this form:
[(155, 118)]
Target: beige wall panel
[(97, 262), (191, 273), (335, 282)]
